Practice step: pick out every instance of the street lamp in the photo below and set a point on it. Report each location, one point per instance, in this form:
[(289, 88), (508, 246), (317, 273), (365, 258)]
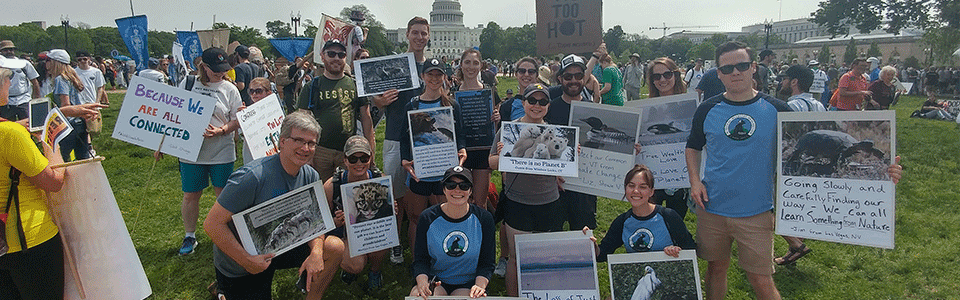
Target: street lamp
[(767, 28), (295, 20), (65, 21)]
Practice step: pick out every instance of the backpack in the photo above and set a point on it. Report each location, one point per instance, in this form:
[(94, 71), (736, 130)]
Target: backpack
[(280, 76)]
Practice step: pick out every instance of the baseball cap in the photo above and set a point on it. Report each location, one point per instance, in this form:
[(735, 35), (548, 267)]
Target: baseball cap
[(464, 174), (571, 60), (333, 42), (216, 59), (536, 87), (6, 44), (242, 51), (356, 144), (813, 62), (59, 55), (635, 55), (873, 59), (153, 62), (509, 91), (432, 64)]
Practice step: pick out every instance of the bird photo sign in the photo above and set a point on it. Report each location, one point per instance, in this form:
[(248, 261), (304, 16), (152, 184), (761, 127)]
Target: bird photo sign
[(654, 275), (665, 127), (608, 135)]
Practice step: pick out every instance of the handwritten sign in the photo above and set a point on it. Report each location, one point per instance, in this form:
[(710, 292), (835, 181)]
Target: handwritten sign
[(557, 265), (844, 197), (607, 138), (434, 140), (664, 131), (261, 126), (476, 107), (568, 26), (370, 218), (153, 111)]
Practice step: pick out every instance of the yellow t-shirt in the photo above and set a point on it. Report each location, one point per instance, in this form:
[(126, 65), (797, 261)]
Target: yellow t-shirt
[(19, 151), (232, 75)]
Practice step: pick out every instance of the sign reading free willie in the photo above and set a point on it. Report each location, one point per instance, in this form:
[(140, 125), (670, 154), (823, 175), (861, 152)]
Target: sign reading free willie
[(153, 111), (568, 26)]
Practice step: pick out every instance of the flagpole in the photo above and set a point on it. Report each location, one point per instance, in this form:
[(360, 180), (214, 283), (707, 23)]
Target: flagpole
[(131, 8)]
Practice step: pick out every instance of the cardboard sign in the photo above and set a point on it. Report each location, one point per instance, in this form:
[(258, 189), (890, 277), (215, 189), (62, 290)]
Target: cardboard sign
[(153, 111), (568, 26)]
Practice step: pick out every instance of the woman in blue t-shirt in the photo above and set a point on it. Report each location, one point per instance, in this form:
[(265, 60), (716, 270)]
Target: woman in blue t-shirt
[(646, 226)]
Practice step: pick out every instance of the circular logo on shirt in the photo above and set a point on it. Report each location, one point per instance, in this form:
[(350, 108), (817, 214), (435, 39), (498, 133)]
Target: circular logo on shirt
[(641, 240), (740, 127), (455, 244)]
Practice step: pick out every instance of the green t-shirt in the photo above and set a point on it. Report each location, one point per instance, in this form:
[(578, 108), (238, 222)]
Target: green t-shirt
[(336, 107), (612, 76)]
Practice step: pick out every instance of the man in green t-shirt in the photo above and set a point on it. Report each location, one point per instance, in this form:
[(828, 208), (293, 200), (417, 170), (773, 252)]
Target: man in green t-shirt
[(332, 98)]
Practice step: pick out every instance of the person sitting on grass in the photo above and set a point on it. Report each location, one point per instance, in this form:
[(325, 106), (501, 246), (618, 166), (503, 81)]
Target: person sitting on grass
[(646, 226)]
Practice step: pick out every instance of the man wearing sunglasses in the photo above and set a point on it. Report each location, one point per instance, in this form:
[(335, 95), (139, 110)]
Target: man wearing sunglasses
[(332, 98), (91, 77)]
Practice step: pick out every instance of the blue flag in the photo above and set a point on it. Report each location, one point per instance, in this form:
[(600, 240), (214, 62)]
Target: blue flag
[(291, 48), (191, 46), (133, 30)]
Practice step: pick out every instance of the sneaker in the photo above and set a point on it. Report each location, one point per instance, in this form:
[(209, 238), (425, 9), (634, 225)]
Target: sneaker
[(347, 277), (501, 267), (189, 243), (374, 281), (396, 255)]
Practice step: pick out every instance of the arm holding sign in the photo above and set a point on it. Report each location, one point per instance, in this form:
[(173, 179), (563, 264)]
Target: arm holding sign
[(216, 227)]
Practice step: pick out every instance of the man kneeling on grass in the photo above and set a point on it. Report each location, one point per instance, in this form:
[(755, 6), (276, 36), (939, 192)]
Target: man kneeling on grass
[(244, 276)]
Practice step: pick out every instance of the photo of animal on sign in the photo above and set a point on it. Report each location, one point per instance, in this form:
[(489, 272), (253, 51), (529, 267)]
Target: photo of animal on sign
[(837, 149), (284, 222), (539, 149), (603, 127), (371, 223), (433, 137), (666, 120), (654, 276), (380, 74)]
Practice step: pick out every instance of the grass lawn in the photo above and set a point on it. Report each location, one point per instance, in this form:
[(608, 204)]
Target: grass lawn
[(923, 265)]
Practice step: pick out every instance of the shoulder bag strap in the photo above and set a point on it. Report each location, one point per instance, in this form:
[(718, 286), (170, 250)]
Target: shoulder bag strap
[(14, 197)]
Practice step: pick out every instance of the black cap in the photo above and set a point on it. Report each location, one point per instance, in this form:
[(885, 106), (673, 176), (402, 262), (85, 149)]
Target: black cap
[(464, 174), (333, 42), (83, 54), (535, 87), (151, 63), (216, 60), (242, 51), (432, 64)]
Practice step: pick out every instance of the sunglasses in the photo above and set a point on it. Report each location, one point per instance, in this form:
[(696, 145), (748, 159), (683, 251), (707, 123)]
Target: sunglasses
[(464, 186), (83, 59), (522, 71), (665, 75), (571, 76), (258, 91), (336, 54), (740, 67), (534, 101), (353, 159)]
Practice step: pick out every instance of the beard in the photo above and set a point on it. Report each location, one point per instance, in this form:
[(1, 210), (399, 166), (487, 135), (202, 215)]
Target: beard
[(784, 93), (572, 89)]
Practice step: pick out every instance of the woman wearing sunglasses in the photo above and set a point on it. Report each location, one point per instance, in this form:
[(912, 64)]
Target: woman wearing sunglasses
[(259, 88), (356, 158), (455, 247), (663, 78), (526, 74), (423, 192)]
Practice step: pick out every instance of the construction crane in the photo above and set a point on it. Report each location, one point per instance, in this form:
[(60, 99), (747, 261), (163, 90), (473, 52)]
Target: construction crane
[(665, 27)]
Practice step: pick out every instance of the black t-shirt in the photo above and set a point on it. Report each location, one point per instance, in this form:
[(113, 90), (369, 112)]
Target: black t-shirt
[(244, 75)]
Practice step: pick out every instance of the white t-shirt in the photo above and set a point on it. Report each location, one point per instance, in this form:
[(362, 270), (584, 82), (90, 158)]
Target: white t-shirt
[(218, 149), (693, 77), (154, 75), (92, 79), (20, 89), (819, 81)]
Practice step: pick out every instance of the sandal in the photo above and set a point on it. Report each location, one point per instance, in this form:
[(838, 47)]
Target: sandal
[(793, 255)]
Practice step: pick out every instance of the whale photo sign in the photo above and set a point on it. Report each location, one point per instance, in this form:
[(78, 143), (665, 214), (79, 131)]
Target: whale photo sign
[(153, 112)]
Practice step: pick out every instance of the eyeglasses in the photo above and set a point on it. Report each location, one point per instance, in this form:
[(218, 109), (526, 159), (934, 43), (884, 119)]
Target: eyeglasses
[(363, 158), (257, 91), (464, 186), (571, 76), (740, 67), (336, 54), (534, 101), (300, 142), (522, 71), (665, 75)]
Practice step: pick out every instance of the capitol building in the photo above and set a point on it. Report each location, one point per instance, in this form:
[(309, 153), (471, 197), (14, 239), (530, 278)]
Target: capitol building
[(448, 36)]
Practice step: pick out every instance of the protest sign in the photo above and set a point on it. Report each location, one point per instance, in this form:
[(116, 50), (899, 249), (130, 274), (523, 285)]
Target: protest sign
[(369, 214), (434, 141), (284, 222), (218, 38), (153, 111), (832, 180), (380, 74), (654, 275), (292, 47), (557, 265), (260, 123), (952, 106), (89, 219), (608, 135), (57, 127), (539, 149), (663, 137), (333, 28), (904, 87), (462, 298), (568, 26), (476, 108)]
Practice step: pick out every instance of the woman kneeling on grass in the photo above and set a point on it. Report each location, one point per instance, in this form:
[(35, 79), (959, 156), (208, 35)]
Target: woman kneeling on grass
[(646, 226), (443, 262)]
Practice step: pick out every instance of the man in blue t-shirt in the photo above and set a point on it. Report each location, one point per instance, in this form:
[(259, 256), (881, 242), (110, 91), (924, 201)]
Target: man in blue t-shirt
[(244, 276), (710, 85)]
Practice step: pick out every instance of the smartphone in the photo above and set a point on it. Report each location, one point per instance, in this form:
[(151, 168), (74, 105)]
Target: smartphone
[(302, 282), (37, 113)]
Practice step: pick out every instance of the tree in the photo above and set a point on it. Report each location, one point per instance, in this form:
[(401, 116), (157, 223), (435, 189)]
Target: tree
[(824, 56), (851, 52), (491, 40), (279, 29), (247, 36), (754, 40), (310, 30), (519, 42), (942, 42), (837, 15), (108, 38), (371, 20), (77, 39), (612, 38), (705, 50), (912, 61), (717, 39), (874, 51), (675, 49), (377, 42)]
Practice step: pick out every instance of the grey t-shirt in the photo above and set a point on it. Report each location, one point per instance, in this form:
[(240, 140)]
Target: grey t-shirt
[(527, 189), (252, 184)]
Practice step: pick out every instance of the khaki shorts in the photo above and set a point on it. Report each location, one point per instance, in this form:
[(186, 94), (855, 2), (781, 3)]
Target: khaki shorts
[(754, 237), (326, 161), (392, 167)]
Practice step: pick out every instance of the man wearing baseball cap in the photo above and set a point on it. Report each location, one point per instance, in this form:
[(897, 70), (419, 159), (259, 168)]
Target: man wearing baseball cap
[(23, 85), (332, 98), (820, 79)]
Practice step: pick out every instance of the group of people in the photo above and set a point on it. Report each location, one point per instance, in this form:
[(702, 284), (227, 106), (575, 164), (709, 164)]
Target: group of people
[(328, 136)]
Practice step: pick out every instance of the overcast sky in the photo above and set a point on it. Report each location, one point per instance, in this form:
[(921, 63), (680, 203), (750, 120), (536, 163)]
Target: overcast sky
[(636, 16)]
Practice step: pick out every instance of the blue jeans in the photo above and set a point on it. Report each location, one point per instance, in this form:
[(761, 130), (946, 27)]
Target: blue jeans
[(76, 141)]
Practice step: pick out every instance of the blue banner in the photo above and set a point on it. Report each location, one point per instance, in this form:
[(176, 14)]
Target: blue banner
[(191, 46), (133, 30), (291, 48)]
